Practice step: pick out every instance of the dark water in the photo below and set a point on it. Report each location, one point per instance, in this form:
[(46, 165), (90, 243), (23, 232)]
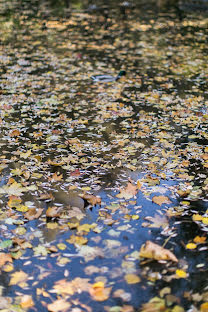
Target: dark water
[(96, 137)]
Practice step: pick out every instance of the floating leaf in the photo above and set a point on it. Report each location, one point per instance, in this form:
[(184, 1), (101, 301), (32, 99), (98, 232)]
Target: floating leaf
[(99, 292), (181, 273), (132, 278), (4, 258), (161, 199), (93, 200), (59, 305), (191, 246), (156, 252), (128, 192), (26, 302), (18, 278)]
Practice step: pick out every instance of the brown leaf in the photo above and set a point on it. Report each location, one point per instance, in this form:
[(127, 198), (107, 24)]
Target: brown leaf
[(53, 212), (32, 213), (153, 251), (55, 177), (93, 200), (14, 133), (128, 192), (161, 199)]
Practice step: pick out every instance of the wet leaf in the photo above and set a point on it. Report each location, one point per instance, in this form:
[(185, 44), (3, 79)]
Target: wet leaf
[(18, 278), (132, 278), (59, 305), (4, 258), (181, 273), (156, 252), (128, 192), (93, 200), (159, 200), (26, 302), (99, 292)]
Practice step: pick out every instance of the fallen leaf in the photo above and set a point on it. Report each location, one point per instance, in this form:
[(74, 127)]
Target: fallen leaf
[(132, 278), (181, 273), (65, 287), (154, 305), (18, 278), (128, 192), (32, 213), (59, 305), (53, 212), (153, 251), (26, 302), (204, 307), (14, 133), (55, 177), (200, 239), (161, 199), (191, 246), (93, 200), (157, 222), (99, 292), (4, 258)]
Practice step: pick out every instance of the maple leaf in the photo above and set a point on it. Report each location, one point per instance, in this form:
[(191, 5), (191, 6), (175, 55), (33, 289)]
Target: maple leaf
[(55, 177), (53, 212), (90, 253), (128, 192), (18, 278), (161, 199), (153, 251), (13, 189)]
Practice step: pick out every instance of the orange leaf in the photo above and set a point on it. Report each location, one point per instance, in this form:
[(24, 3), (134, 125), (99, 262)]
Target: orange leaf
[(200, 239), (93, 200), (99, 292), (14, 133), (4, 257), (159, 200), (32, 213), (128, 192), (156, 252)]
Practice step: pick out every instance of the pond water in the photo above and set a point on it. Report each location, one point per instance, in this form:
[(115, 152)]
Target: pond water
[(91, 171)]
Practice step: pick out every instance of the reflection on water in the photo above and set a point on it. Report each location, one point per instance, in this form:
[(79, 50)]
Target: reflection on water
[(63, 135)]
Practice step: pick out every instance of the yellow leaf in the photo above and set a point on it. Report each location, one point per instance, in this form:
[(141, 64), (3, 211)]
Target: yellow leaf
[(205, 220), (191, 246), (181, 273), (26, 155), (204, 307), (132, 278), (8, 268), (61, 246), (17, 278), (26, 302), (197, 217)]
